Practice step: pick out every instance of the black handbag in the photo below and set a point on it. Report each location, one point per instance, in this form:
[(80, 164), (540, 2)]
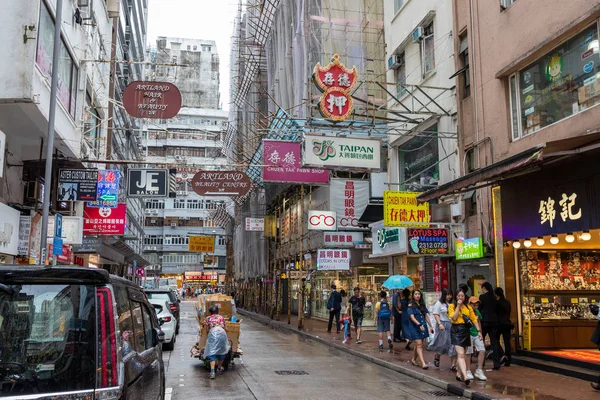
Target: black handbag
[(467, 320)]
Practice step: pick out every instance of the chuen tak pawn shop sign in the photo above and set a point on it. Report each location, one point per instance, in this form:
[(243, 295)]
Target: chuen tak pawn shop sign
[(335, 81)]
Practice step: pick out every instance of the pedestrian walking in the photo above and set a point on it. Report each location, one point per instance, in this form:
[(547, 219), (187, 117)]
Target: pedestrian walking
[(489, 323), (397, 313), (334, 304), (346, 322), (404, 318), (344, 305), (357, 306), (383, 316), (418, 328), (505, 327), (477, 343), (441, 343), (462, 317)]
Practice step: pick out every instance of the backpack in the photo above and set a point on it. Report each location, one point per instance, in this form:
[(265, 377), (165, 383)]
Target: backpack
[(357, 309), (384, 310)]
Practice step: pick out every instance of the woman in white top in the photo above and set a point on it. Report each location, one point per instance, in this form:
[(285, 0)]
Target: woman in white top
[(441, 338)]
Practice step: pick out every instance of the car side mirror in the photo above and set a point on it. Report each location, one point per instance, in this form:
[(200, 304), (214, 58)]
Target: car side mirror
[(158, 336)]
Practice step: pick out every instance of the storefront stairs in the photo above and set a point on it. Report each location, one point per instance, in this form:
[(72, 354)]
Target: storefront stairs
[(564, 366)]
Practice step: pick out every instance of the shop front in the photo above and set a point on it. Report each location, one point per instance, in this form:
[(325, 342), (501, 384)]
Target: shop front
[(9, 234), (551, 228), (472, 265)]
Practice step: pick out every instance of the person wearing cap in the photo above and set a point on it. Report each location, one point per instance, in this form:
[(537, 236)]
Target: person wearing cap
[(477, 342), (334, 304)]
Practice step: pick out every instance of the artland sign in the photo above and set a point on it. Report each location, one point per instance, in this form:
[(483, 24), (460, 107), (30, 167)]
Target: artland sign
[(403, 209), (468, 249), (221, 183), (322, 220), (333, 260), (284, 162), (332, 152), (335, 81), (152, 100)]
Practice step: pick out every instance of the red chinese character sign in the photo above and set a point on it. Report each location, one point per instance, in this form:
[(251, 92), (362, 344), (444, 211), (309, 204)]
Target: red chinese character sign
[(104, 220), (335, 81)]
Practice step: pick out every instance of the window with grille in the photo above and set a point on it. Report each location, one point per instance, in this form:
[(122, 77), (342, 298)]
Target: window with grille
[(428, 50)]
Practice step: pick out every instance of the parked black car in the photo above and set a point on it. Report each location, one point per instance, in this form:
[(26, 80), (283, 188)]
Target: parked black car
[(72, 331), (170, 296)]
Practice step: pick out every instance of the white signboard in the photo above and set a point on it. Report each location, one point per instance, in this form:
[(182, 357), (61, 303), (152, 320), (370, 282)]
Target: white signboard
[(388, 241), (24, 232), (72, 229), (9, 230), (255, 224), (349, 199), (341, 152), (2, 148), (342, 239), (322, 220), (333, 260)]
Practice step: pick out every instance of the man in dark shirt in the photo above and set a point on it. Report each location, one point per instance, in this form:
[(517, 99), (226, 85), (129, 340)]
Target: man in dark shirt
[(489, 319), (334, 304), (397, 312), (357, 303)]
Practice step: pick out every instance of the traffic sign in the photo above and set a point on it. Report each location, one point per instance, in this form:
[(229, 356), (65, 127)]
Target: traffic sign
[(140, 272), (58, 226)]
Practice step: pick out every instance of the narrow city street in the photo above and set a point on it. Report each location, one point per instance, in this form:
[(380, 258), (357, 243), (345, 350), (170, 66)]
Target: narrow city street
[(326, 373)]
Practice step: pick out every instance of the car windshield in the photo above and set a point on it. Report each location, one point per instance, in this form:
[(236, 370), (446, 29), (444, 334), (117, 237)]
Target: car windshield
[(159, 296), (47, 339), (158, 308)]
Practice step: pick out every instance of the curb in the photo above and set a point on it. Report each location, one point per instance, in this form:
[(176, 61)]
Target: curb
[(452, 388)]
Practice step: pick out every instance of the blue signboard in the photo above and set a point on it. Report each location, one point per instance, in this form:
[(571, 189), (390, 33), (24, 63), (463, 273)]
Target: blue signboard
[(108, 189), (58, 225), (57, 245)]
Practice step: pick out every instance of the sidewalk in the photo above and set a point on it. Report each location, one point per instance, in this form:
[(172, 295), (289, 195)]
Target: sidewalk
[(514, 382)]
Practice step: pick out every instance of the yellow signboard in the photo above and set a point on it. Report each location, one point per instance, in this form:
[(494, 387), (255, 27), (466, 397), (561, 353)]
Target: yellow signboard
[(527, 335), (403, 209), (204, 244)]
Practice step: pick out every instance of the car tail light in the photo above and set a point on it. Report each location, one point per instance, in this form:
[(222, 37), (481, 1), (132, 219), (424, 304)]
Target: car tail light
[(108, 353), (172, 307), (166, 319)]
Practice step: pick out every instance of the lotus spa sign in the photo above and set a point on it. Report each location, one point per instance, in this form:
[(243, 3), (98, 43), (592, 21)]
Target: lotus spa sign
[(332, 152)]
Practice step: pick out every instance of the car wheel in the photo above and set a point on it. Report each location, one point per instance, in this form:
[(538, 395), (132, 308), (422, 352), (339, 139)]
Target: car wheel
[(177, 328)]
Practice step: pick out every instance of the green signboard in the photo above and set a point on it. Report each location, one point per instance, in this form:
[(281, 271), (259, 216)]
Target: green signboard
[(468, 249)]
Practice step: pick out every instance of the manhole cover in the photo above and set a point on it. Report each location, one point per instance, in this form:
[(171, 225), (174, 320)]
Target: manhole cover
[(438, 393), (291, 372)]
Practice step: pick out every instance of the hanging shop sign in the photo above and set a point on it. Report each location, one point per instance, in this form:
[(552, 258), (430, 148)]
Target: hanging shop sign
[(336, 82), (108, 189), (221, 183), (147, 182), (283, 163), (255, 224), (205, 244), (72, 229), (440, 274), (105, 220), (341, 152), (77, 185), (403, 209), (89, 244), (270, 226), (9, 230), (2, 147), (349, 199), (342, 239), (24, 232), (387, 241), (322, 220), (427, 241), (63, 253), (468, 249), (152, 100), (333, 260)]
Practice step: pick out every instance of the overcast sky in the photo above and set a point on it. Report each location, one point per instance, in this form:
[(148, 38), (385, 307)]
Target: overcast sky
[(196, 19)]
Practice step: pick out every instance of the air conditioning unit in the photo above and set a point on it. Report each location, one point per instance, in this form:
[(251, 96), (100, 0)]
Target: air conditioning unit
[(395, 61), (173, 224), (417, 34), (456, 210), (179, 158), (34, 191), (148, 212)]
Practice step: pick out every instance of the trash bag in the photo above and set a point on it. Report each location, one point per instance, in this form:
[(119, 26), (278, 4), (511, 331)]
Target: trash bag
[(217, 342)]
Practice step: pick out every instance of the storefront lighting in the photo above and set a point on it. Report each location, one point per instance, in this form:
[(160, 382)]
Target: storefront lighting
[(586, 235), (570, 238), (554, 239), (527, 242), (516, 244), (540, 241)]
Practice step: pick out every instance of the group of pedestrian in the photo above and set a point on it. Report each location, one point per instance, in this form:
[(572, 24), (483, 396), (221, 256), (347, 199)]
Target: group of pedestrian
[(462, 323)]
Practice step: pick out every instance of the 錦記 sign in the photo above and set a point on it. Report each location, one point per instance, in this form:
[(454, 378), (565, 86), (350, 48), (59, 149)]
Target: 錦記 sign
[(283, 163), (341, 152), (77, 185), (403, 209), (333, 260), (255, 224), (468, 249), (147, 182), (322, 220), (427, 241)]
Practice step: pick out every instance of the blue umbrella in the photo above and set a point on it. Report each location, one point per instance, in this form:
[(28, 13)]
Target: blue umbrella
[(398, 282)]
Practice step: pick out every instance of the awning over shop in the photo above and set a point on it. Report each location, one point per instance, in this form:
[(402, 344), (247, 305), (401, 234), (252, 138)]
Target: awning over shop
[(528, 161), (373, 213)]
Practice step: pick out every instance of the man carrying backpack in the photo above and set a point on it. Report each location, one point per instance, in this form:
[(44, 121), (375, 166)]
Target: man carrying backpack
[(334, 304), (357, 302), (383, 315)]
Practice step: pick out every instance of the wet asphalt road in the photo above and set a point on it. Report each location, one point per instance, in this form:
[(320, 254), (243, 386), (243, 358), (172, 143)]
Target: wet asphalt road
[(329, 372)]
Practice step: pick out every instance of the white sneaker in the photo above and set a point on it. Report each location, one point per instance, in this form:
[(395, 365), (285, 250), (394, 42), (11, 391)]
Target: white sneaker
[(345, 341), (480, 375), (470, 375)]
